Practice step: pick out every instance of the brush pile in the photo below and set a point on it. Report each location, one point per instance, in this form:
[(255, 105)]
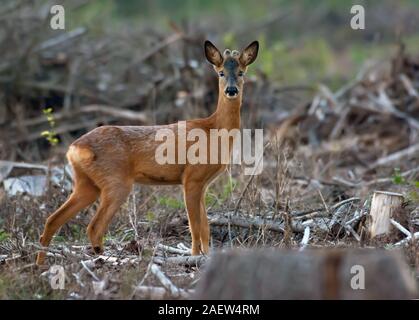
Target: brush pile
[(339, 149), (324, 159), (122, 77), (371, 122)]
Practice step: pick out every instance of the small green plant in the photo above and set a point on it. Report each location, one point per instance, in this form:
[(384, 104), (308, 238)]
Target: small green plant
[(4, 235), (50, 135), (397, 177), (210, 199), (228, 188), (170, 202), (150, 216), (413, 194), (215, 199)]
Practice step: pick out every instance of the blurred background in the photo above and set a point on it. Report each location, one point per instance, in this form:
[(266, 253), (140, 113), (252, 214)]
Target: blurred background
[(147, 56), (339, 108)]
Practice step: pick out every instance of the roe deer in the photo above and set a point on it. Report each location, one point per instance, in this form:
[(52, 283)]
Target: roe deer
[(108, 160)]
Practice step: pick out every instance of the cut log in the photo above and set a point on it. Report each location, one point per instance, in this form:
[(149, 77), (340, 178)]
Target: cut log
[(310, 274), (384, 205)]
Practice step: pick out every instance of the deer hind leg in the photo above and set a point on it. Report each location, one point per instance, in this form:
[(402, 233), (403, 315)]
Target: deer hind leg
[(193, 195), (84, 194), (111, 199), (205, 230)]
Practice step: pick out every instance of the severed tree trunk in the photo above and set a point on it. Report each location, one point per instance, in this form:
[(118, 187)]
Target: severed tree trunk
[(311, 274), (384, 205)]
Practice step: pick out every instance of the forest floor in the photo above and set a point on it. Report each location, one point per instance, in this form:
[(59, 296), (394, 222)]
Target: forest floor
[(327, 151)]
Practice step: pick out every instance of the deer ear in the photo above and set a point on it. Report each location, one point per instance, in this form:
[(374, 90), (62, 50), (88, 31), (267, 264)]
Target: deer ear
[(213, 54), (249, 54)]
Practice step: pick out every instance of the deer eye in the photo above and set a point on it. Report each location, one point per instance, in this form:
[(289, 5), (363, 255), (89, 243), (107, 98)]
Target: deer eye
[(241, 73), (221, 73)]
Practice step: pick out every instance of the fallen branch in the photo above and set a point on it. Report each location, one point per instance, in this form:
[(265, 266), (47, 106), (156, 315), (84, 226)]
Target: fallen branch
[(400, 227), (351, 184), (165, 281), (409, 86), (169, 40), (410, 151), (115, 111), (353, 232), (189, 261), (115, 261), (63, 251), (407, 239), (174, 250), (159, 293), (86, 267), (61, 39), (305, 239), (247, 223), (7, 166)]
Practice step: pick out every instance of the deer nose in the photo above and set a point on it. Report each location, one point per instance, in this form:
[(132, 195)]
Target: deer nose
[(231, 91)]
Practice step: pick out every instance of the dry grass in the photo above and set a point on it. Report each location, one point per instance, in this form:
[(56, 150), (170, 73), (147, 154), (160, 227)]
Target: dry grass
[(155, 215)]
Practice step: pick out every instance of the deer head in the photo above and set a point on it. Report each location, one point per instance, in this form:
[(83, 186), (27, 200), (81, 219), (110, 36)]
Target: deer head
[(231, 67)]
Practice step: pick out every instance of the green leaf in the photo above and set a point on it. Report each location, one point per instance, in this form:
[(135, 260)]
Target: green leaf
[(150, 216), (397, 177), (4, 235)]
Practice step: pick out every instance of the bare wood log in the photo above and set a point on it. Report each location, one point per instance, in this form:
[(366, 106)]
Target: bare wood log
[(407, 239), (189, 261), (383, 206), (174, 250), (62, 251), (115, 261), (165, 281), (400, 227), (297, 225), (247, 222), (159, 293), (182, 246), (310, 274), (7, 166)]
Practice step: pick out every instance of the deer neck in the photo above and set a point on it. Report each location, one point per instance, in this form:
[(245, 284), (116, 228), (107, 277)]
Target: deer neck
[(227, 114)]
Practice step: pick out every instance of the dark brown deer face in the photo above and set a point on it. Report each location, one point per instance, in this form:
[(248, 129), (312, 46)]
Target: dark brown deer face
[(231, 67)]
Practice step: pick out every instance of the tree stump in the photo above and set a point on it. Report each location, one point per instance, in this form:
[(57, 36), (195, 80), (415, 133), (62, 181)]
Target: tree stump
[(311, 274), (384, 205)]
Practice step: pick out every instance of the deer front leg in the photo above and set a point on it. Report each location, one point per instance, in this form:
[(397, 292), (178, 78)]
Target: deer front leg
[(193, 195), (205, 230)]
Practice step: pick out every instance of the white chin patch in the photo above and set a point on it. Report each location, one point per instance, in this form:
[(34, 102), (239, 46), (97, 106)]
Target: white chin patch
[(232, 97)]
